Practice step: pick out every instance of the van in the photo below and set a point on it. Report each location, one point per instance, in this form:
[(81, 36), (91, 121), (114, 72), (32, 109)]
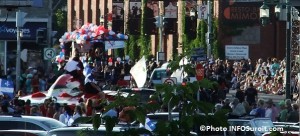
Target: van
[(157, 75)]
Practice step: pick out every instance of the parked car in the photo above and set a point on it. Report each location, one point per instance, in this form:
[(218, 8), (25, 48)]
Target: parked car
[(285, 133), (144, 93), (163, 116), (29, 123), (73, 131), (287, 126), (157, 75), (19, 132), (264, 123)]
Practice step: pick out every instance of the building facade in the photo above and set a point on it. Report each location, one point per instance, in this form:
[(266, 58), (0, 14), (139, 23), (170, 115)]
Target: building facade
[(8, 32), (239, 24)]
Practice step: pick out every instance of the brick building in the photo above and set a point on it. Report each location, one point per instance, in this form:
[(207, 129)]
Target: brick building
[(269, 39)]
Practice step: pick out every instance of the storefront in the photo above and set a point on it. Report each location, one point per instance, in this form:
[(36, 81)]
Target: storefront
[(8, 44)]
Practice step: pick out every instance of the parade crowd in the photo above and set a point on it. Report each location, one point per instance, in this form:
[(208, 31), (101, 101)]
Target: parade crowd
[(249, 79)]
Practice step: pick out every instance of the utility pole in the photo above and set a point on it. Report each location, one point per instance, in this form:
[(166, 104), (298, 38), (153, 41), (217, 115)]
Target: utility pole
[(160, 25), (49, 30), (19, 23), (209, 29), (288, 51)]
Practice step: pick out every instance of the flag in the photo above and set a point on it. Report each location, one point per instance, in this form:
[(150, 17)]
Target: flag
[(179, 74), (37, 3), (139, 72), (184, 61), (7, 87), (149, 125)]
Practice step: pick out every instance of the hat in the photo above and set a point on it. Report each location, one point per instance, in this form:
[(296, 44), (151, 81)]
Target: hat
[(281, 103)]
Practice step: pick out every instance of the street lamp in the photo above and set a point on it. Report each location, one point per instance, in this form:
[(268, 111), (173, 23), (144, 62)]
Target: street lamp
[(102, 20), (192, 13), (264, 16)]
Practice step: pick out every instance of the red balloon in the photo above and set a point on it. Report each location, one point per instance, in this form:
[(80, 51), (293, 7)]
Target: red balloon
[(110, 60)]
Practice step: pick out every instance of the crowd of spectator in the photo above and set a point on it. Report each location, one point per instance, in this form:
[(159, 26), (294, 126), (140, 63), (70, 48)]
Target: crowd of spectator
[(247, 78)]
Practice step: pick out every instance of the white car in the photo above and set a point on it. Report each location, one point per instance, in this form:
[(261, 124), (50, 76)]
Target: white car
[(29, 123)]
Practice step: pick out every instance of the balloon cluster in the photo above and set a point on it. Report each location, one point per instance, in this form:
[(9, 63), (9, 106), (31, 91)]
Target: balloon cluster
[(89, 33)]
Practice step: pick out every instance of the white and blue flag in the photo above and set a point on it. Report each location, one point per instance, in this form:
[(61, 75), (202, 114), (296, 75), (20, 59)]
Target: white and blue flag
[(149, 125), (7, 87)]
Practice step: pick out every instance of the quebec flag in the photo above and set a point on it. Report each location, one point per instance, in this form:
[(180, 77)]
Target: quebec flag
[(149, 125), (7, 87)]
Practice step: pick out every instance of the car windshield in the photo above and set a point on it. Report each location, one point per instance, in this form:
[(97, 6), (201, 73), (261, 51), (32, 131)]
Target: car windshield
[(264, 123), (155, 118), (159, 74), (53, 124)]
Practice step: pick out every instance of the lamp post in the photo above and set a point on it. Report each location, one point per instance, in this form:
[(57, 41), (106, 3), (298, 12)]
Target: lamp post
[(264, 16)]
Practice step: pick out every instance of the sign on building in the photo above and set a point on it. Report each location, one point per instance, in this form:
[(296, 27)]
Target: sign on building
[(236, 52)]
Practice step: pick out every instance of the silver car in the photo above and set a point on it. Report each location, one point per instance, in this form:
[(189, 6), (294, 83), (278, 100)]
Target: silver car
[(29, 123)]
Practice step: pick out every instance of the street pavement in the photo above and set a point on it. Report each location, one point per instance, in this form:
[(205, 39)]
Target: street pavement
[(276, 98)]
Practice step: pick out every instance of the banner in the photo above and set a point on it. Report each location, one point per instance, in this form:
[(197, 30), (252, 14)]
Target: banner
[(139, 72), (114, 44)]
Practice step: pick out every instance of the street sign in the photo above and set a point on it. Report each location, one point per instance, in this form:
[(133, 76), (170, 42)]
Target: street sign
[(170, 80), (49, 53), (199, 58), (200, 72), (199, 54)]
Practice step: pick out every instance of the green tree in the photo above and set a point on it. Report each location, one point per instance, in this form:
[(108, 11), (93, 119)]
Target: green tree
[(59, 19), (144, 40)]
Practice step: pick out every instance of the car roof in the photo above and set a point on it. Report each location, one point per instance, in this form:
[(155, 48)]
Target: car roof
[(101, 128), (24, 130), (163, 113), (137, 89), (25, 117), (246, 119), (159, 69)]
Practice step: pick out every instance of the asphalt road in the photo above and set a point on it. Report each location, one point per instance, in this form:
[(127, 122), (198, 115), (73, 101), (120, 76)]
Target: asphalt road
[(276, 98)]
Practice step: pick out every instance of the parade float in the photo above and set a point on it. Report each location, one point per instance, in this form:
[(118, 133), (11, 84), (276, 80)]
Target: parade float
[(66, 88)]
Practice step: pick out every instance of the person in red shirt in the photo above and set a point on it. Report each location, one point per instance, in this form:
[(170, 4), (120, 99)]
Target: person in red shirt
[(44, 107), (50, 110), (27, 107), (121, 82), (35, 83), (89, 107)]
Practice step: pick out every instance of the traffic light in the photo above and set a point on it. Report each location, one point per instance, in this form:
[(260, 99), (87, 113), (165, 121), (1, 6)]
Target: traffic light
[(157, 22), (160, 21), (41, 36), (209, 37)]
